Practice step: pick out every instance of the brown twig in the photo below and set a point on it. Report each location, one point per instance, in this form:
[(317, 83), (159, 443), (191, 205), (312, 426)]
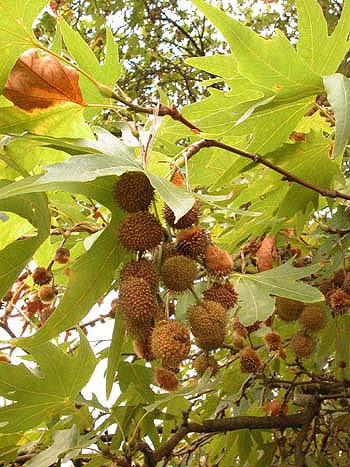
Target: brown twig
[(151, 458), (175, 114), (287, 176)]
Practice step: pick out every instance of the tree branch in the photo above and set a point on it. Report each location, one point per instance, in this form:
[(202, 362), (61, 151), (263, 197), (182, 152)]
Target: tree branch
[(287, 176), (151, 458), (175, 114)]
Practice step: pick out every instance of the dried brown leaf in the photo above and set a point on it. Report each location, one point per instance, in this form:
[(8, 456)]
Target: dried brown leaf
[(40, 82), (266, 254)]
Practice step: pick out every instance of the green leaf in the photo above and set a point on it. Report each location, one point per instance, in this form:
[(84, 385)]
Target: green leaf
[(91, 275), (50, 390), (15, 256), (107, 74), (270, 63), (321, 51), (63, 441), (114, 352), (116, 159), (64, 120), (12, 228), (255, 290), (16, 19), (338, 93)]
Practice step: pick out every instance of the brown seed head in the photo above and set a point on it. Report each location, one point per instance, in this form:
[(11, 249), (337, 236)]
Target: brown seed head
[(140, 231), (288, 309), (133, 192), (272, 341), (218, 261), (47, 293), (249, 361), (222, 293), (313, 318), (338, 300), (166, 379), (190, 218), (208, 321), (143, 269), (203, 362), (137, 301), (178, 273), (171, 342), (42, 276), (302, 344), (61, 255), (192, 242)]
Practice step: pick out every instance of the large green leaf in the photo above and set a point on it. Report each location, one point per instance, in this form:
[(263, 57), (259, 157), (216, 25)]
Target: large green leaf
[(116, 159), (16, 19), (15, 256), (92, 274), (321, 51), (256, 291), (50, 390), (338, 93), (270, 63), (106, 73)]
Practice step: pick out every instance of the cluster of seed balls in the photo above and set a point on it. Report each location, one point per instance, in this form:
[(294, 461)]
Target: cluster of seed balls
[(167, 263), (47, 291)]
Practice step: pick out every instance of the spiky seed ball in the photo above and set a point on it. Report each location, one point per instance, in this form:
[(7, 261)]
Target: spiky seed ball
[(143, 269), (338, 300), (47, 293), (178, 273), (222, 293), (218, 261), (208, 321), (192, 242), (137, 300), (249, 361), (140, 231), (166, 379), (61, 255), (42, 276), (133, 192), (203, 362), (142, 348), (313, 318), (170, 342), (272, 341), (288, 309), (140, 331), (302, 344), (168, 251), (190, 218)]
